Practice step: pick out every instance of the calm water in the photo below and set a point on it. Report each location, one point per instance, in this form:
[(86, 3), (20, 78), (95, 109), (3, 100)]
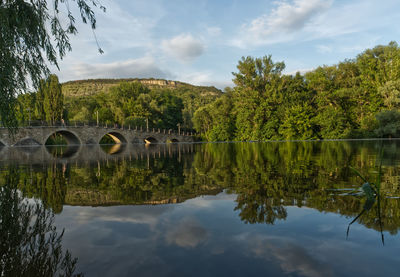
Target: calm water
[(223, 209)]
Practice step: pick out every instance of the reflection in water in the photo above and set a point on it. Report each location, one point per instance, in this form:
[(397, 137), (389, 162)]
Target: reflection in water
[(265, 177), (29, 149), (372, 194), (29, 243), (63, 151), (112, 149), (266, 185)]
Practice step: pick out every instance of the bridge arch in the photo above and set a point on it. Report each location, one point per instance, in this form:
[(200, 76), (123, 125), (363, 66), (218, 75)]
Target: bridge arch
[(2, 144), (150, 140), (27, 141), (118, 138), (69, 136), (173, 140)]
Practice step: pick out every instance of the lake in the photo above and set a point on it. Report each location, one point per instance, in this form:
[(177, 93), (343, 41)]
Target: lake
[(212, 209)]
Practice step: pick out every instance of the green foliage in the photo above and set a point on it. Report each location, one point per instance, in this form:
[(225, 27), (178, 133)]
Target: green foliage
[(256, 98), (331, 102), (135, 102), (32, 34), (256, 74), (298, 123), (215, 121), (193, 97), (388, 124), (53, 99), (390, 92)]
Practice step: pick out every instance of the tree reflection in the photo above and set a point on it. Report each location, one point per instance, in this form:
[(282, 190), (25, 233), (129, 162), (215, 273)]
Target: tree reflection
[(29, 242), (258, 208), (265, 177)]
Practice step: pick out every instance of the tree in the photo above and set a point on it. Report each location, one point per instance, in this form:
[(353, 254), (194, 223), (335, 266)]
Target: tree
[(31, 37), (53, 99), (202, 119), (391, 94), (257, 97), (39, 104), (256, 74), (298, 123)]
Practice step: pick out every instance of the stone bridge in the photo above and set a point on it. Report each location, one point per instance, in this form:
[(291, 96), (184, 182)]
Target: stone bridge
[(78, 135)]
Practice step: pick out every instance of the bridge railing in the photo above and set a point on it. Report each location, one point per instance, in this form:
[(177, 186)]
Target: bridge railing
[(80, 124)]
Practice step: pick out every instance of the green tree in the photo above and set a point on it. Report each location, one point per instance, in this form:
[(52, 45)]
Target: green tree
[(24, 108), (32, 35), (256, 74), (39, 104), (298, 123), (202, 119), (257, 95), (390, 92), (216, 120), (53, 102)]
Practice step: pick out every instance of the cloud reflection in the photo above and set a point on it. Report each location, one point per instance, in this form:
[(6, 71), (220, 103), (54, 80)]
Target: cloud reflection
[(187, 234), (291, 257)]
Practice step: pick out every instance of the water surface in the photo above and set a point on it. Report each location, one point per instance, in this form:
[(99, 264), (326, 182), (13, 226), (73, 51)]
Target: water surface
[(237, 209)]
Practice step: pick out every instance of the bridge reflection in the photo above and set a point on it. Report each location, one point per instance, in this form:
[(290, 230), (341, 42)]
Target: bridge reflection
[(91, 153)]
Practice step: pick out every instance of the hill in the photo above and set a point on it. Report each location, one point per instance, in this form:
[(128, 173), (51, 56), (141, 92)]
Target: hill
[(165, 103)]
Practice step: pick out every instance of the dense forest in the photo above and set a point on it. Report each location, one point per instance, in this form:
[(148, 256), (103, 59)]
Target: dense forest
[(356, 98)]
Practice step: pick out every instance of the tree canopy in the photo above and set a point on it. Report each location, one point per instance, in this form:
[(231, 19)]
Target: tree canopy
[(352, 99)]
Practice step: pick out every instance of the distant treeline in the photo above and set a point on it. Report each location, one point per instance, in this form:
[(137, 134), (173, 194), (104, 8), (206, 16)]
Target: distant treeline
[(357, 98)]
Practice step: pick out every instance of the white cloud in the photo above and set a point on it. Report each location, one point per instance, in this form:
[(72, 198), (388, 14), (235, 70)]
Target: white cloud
[(183, 47), (281, 22), (135, 68), (289, 17)]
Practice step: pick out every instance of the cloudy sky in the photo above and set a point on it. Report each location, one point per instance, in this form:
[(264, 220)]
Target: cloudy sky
[(201, 41)]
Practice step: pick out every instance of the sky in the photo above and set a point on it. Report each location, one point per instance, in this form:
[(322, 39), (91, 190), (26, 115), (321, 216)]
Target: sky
[(201, 41)]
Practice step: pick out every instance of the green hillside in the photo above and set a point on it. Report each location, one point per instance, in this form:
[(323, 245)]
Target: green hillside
[(130, 101)]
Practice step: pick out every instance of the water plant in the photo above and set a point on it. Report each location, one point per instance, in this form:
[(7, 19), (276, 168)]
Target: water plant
[(371, 191)]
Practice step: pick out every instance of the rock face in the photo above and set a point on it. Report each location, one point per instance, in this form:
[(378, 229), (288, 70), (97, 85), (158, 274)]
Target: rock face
[(158, 82), (90, 87)]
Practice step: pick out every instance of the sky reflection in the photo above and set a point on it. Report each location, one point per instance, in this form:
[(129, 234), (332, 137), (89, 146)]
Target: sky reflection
[(205, 236)]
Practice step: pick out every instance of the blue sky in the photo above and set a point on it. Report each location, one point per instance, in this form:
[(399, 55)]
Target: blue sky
[(200, 42)]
